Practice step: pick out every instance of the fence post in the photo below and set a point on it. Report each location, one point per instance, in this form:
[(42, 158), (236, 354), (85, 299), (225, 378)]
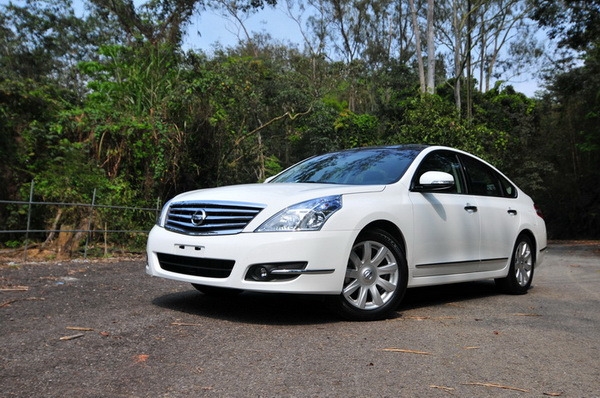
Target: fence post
[(89, 228), (28, 221)]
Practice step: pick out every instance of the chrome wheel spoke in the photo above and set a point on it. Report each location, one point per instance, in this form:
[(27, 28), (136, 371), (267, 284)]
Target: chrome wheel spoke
[(386, 285), (376, 296), (355, 260), (380, 256), (351, 288), (361, 302), (352, 273), (388, 269)]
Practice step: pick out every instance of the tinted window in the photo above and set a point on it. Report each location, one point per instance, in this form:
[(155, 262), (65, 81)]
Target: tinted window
[(485, 181), (354, 167), (509, 189), (446, 162)]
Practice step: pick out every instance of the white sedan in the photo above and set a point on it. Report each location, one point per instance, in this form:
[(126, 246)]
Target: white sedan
[(360, 226)]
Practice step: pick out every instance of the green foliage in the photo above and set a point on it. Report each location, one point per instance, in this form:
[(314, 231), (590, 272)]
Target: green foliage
[(429, 119), (354, 131), (576, 23), (571, 143)]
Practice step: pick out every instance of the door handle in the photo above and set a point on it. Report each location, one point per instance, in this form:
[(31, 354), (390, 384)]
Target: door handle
[(470, 208), (512, 212)]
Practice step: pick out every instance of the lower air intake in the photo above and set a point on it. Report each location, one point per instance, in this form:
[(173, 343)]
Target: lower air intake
[(207, 267)]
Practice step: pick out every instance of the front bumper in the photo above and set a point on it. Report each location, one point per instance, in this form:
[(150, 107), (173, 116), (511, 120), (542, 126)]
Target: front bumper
[(324, 255)]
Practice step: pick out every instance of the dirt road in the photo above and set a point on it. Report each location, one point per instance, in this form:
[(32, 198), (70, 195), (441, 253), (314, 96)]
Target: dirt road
[(105, 329)]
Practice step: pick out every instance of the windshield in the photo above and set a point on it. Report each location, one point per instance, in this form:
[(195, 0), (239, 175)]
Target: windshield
[(367, 166)]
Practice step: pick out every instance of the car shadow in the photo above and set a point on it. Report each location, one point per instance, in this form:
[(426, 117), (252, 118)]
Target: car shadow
[(250, 307), (428, 296), (295, 309)]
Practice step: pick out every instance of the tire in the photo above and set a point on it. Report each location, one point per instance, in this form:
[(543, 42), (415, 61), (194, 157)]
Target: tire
[(216, 291), (376, 278), (520, 272)]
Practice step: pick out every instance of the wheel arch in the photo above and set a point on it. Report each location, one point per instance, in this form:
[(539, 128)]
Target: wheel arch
[(391, 229), (528, 233)]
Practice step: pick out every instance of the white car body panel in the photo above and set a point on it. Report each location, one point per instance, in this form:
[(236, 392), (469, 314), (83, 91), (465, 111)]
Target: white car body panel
[(447, 237)]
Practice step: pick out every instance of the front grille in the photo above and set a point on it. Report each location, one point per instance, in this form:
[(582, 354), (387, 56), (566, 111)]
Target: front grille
[(210, 218), (208, 267)]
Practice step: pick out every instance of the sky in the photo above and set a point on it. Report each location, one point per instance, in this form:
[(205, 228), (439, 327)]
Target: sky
[(211, 27)]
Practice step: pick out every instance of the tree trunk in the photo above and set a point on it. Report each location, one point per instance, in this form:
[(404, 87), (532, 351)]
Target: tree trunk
[(457, 56), (430, 48), (419, 53)]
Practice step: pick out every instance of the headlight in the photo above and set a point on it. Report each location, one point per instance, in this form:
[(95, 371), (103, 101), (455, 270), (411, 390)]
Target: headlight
[(306, 216)]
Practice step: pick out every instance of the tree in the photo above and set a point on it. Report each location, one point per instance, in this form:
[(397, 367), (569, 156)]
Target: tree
[(571, 107), (431, 61), (419, 51), (575, 23), (427, 83), (477, 32)]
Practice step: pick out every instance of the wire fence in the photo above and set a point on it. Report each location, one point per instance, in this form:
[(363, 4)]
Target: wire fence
[(94, 221)]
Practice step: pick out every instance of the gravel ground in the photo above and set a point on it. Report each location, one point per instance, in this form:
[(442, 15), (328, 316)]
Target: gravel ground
[(103, 328)]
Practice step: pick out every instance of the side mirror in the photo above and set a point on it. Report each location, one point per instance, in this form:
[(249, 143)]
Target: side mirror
[(433, 181)]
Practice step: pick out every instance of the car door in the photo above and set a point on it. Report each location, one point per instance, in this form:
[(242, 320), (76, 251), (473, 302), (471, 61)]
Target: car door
[(499, 217), (446, 223)]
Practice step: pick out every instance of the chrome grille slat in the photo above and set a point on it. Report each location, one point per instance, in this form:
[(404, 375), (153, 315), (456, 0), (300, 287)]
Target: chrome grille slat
[(221, 218)]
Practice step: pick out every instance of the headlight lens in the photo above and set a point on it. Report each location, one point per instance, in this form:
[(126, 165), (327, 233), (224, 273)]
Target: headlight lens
[(306, 216)]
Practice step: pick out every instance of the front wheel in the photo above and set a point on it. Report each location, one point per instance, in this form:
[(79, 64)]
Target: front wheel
[(376, 278), (520, 273)]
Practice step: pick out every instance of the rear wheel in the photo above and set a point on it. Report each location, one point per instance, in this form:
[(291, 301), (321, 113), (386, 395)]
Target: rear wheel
[(376, 278), (520, 273)]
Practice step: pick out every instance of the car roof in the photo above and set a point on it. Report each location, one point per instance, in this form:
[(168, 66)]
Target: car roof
[(417, 147)]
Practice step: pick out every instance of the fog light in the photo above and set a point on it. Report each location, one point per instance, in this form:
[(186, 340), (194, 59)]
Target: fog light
[(276, 271), (260, 273)]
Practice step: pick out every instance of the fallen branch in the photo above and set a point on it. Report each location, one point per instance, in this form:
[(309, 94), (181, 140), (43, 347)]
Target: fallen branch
[(447, 389), (75, 336), (14, 289), (496, 386), (423, 318), (184, 324), (9, 302), (80, 329), (406, 351)]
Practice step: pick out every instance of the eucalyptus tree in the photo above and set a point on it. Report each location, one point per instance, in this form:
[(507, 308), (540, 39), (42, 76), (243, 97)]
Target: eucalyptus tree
[(163, 21), (493, 37), (427, 84), (505, 40)]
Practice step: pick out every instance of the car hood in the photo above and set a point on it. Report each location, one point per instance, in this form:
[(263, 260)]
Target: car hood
[(278, 194)]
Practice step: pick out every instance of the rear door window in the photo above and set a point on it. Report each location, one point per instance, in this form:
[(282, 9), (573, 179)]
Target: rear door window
[(485, 181)]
